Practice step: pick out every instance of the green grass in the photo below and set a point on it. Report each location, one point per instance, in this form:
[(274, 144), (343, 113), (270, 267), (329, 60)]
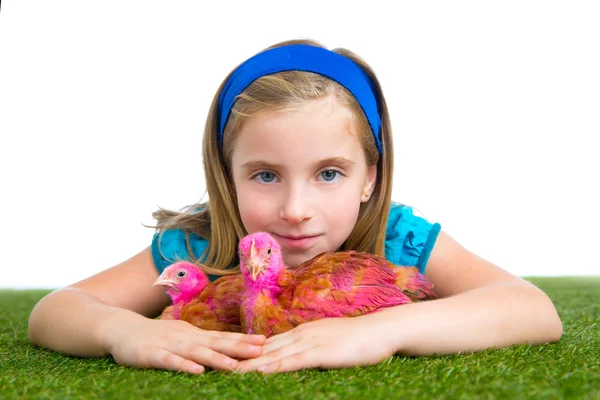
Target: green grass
[(568, 369)]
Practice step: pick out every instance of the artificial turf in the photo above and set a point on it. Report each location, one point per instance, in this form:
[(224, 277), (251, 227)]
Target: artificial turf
[(568, 369)]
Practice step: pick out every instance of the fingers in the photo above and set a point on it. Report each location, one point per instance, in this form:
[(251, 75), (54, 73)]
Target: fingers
[(240, 337), (179, 346), (208, 348), (252, 339), (278, 337), (163, 359), (277, 342), (191, 357), (282, 353), (234, 344), (208, 357), (232, 348), (294, 362)]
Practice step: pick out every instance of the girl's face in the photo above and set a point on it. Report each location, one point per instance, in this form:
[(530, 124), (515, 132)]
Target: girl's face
[(301, 176)]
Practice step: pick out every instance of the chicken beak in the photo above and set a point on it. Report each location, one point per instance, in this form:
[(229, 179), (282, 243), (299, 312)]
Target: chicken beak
[(254, 262), (165, 282), (255, 269)]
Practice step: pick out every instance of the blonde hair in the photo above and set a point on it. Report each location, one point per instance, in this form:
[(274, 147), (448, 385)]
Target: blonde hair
[(218, 220)]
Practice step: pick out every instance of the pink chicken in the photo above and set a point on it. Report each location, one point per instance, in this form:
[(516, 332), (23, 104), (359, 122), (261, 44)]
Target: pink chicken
[(206, 305), (332, 284), (183, 282)]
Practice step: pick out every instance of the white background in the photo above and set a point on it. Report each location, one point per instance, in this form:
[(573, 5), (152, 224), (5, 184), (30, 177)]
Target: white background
[(495, 109)]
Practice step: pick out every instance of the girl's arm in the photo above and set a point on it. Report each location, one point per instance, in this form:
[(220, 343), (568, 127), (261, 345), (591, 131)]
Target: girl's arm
[(75, 319), (111, 313), (480, 306)]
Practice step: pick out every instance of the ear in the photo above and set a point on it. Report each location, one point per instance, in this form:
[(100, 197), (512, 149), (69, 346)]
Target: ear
[(370, 182)]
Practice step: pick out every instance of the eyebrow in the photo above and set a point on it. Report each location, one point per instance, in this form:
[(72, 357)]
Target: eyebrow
[(259, 164)]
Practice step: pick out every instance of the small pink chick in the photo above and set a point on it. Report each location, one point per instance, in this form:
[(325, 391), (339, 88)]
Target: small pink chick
[(331, 284), (207, 305), (183, 281)]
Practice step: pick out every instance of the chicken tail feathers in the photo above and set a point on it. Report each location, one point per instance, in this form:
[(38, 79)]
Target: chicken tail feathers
[(414, 284)]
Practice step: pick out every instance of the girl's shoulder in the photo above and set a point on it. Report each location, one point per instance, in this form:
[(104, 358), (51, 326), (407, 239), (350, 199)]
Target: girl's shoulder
[(170, 246), (410, 237)]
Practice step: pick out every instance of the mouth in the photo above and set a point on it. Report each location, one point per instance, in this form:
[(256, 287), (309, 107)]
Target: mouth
[(297, 242)]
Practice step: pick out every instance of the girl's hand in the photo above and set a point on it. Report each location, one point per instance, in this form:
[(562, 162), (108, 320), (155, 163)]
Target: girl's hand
[(326, 343), (179, 346)]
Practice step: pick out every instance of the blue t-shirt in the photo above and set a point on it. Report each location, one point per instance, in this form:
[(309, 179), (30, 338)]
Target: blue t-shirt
[(408, 241)]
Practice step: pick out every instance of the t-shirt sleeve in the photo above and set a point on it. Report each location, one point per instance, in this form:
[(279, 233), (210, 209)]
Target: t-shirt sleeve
[(409, 237), (173, 248)]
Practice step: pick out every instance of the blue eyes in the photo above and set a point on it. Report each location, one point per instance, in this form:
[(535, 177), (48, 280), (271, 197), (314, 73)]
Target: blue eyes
[(266, 177), (329, 175)]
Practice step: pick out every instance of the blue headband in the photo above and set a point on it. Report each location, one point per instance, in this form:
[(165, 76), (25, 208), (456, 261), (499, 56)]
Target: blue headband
[(299, 57)]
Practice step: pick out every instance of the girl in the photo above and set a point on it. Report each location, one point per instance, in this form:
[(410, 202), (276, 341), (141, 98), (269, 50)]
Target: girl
[(298, 143)]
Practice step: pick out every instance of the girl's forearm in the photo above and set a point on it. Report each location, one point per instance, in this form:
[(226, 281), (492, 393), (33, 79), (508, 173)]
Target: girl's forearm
[(497, 315), (75, 322)]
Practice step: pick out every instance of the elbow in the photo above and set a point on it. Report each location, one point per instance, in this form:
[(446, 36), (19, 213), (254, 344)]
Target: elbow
[(550, 328), (555, 327), (539, 315), (40, 319), (550, 325), (34, 325)]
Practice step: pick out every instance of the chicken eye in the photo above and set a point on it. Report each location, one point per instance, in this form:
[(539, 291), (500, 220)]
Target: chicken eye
[(269, 251), (181, 274)]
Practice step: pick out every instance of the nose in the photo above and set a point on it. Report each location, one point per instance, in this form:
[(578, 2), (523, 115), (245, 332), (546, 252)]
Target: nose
[(295, 208)]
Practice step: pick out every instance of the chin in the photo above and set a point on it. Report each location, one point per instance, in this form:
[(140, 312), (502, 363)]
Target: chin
[(296, 259)]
